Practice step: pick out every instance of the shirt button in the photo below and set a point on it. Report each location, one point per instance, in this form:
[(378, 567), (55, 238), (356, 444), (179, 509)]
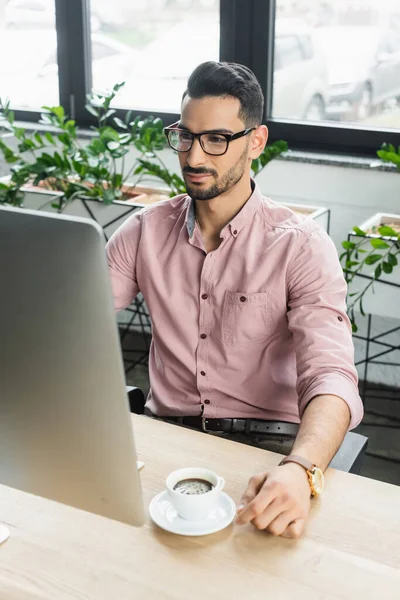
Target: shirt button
[(340, 319), (207, 401), (235, 232), (205, 296), (202, 373), (243, 298), (203, 336)]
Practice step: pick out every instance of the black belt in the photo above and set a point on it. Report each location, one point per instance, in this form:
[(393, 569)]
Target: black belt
[(246, 426)]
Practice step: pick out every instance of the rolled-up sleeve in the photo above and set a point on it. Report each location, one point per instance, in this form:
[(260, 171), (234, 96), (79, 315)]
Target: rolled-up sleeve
[(320, 326), (122, 251)]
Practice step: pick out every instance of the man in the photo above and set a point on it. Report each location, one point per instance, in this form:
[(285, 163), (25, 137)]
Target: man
[(247, 301)]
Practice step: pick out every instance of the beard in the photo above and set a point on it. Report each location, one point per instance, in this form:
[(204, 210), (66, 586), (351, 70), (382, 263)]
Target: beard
[(227, 181)]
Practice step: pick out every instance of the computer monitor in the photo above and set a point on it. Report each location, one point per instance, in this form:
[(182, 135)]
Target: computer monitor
[(65, 426)]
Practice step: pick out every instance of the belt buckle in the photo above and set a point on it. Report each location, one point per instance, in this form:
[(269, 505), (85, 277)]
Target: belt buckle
[(204, 427)]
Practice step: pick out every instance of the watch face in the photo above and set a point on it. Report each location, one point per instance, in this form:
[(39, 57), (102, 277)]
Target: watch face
[(318, 480)]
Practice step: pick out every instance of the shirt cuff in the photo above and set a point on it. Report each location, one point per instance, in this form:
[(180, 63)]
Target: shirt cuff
[(336, 385)]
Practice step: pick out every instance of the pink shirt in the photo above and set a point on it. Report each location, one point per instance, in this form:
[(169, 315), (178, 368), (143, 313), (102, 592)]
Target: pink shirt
[(256, 328)]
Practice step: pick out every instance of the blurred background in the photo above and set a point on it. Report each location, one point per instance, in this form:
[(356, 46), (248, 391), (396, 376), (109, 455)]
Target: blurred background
[(335, 60)]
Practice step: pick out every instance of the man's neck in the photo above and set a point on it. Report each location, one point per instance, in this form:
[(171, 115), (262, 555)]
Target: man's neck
[(213, 215)]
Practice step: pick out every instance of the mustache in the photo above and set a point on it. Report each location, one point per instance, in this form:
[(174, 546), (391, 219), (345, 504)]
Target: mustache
[(198, 171)]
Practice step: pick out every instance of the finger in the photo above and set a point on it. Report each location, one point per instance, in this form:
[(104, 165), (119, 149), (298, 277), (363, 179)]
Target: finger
[(260, 502), (282, 522), (295, 529), (253, 487), (278, 507)]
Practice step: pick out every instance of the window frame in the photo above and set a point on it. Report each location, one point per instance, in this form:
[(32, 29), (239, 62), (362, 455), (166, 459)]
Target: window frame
[(247, 33)]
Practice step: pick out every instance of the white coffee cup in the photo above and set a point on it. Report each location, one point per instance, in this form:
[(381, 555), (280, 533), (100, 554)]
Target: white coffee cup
[(194, 507)]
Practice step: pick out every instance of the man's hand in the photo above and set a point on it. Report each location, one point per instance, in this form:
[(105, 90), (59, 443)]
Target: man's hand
[(278, 501)]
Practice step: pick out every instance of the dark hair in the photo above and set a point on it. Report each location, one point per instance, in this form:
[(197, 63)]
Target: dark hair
[(229, 79)]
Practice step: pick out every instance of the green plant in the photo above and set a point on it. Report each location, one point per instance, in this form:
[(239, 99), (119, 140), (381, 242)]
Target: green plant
[(381, 252), (57, 159), (388, 153)]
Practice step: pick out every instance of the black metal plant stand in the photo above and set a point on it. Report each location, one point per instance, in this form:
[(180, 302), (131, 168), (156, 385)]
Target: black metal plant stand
[(369, 391), (369, 359), (131, 209)]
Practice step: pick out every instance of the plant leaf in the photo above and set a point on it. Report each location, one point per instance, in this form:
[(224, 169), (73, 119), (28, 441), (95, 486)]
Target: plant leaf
[(361, 306), (120, 123), (372, 259), (58, 111), (348, 245), (387, 268), (351, 263), (392, 260), (38, 138), (49, 137), (93, 111), (386, 231), (359, 232), (379, 244)]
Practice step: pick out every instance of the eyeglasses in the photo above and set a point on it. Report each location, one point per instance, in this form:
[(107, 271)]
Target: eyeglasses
[(213, 143)]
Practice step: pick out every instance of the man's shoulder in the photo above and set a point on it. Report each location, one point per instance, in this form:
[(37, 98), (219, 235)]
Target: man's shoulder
[(281, 217), (172, 207)]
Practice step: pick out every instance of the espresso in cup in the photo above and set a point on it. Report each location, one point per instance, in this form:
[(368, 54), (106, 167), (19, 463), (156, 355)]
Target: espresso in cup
[(193, 486), (194, 492)]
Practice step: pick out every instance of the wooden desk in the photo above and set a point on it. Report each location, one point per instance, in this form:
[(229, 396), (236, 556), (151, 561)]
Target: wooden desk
[(351, 548)]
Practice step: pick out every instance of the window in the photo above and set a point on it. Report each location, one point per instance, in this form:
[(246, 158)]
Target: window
[(353, 75), (307, 46), (156, 45), (330, 69), (288, 51), (29, 5), (101, 50), (27, 38)]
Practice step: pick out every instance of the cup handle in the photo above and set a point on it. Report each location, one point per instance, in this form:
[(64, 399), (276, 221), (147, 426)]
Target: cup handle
[(221, 483)]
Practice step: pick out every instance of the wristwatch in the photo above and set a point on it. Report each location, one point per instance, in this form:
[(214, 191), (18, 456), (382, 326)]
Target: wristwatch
[(314, 473)]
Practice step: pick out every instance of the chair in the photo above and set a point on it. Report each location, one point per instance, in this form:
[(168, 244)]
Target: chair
[(348, 458), (136, 400), (351, 453)]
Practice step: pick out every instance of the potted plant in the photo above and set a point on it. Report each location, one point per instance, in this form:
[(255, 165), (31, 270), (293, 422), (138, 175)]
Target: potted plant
[(370, 260), (55, 169)]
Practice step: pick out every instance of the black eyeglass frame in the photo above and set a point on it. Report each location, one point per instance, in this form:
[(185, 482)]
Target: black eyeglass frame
[(229, 137)]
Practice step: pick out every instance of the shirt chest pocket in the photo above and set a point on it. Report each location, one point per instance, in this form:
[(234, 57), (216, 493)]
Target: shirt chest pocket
[(245, 318)]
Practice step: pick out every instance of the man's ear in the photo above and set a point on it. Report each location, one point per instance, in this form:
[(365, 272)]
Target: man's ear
[(259, 138)]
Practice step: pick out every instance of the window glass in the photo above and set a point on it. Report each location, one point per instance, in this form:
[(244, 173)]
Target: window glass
[(153, 45), (350, 70), (28, 40)]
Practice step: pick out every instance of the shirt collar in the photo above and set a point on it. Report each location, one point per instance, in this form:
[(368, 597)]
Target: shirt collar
[(191, 217), (244, 216)]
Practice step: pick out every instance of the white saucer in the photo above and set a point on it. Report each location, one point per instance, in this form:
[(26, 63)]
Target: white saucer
[(165, 516), (4, 533)]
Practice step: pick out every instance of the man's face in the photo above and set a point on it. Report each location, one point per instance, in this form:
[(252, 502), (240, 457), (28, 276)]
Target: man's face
[(209, 176)]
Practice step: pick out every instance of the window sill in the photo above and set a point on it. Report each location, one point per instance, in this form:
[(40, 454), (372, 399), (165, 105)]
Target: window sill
[(337, 160)]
